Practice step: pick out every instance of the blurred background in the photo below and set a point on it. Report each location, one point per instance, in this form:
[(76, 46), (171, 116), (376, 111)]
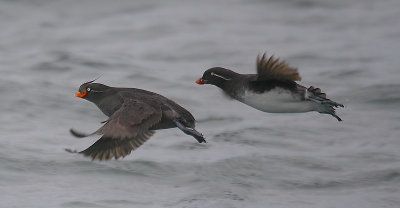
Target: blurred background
[(348, 48)]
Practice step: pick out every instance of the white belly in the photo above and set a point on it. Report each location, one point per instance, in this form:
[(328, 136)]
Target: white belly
[(277, 101)]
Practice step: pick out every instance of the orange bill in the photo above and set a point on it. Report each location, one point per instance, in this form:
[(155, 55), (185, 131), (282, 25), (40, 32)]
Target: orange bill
[(200, 81), (81, 94)]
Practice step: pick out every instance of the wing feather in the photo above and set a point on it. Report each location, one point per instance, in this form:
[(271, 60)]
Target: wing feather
[(125, 130), (273, 68)]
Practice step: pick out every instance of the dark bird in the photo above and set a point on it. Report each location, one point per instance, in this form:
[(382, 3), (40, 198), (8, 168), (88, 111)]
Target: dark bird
[(133, 114), (273, 89)]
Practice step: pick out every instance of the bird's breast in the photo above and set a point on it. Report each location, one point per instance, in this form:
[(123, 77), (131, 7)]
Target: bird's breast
[(277, 100), (109, 105)]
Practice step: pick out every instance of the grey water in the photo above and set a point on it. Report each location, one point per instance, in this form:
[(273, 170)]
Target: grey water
[(348, 48)]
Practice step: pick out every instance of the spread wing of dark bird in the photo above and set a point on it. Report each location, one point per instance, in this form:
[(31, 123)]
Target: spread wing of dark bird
[(125, 130)]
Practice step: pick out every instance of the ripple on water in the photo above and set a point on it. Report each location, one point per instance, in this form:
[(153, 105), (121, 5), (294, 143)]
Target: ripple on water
[(220, 119), (386, 95), (355, 180), (80, 204), (61, 61)]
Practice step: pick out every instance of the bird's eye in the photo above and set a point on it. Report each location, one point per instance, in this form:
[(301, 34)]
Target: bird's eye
[(88, 89)]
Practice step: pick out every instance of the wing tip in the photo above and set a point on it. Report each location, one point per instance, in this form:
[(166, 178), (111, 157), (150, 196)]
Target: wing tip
[(77, 133), (71, 150), (117, 148)]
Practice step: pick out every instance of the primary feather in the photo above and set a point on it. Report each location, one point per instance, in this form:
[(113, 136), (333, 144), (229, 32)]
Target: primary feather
[(273, 68)]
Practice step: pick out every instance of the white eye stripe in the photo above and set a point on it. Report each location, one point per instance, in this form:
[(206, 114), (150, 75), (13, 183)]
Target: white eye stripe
[(214, 74), (90, 90)]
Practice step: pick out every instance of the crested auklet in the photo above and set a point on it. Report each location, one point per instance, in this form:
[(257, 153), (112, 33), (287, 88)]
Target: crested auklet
[(273, 89), (133, 114)]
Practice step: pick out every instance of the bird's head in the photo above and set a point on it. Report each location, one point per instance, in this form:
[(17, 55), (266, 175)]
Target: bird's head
[(216, 76), (91, 91)]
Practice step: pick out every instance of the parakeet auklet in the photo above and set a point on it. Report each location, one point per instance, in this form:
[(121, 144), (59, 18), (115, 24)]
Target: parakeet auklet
[(273, 89)]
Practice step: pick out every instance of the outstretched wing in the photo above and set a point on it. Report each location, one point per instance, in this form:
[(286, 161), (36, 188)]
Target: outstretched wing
[(106, 147), (124, 131), (273, 68)]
